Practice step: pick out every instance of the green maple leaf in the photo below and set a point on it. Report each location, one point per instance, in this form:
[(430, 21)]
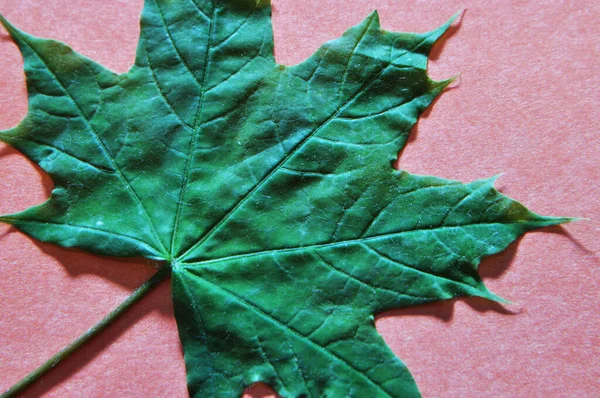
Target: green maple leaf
[(267, 190)]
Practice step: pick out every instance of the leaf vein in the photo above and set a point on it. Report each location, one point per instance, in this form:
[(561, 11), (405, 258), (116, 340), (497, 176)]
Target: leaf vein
[(298, 146), (342, 243), (41, 144), (273, 320), (194, 139), (101, 143), (96, 230), (360, 281)]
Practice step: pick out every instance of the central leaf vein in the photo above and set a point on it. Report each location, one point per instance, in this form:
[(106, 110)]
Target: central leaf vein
[(188, 161)]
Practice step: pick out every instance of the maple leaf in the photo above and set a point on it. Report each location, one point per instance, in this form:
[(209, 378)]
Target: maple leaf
[(267, 190)]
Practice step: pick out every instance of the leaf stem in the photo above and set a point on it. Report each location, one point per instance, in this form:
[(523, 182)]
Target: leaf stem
[(163, 273)]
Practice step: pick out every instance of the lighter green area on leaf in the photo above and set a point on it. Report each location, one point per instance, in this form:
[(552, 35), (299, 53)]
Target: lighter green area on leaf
[(268, 188)]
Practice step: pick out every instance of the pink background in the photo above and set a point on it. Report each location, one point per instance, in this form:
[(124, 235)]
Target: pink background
[(527, 105)]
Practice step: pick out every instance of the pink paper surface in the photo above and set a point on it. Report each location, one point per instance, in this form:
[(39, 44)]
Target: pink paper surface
[(527, 106)]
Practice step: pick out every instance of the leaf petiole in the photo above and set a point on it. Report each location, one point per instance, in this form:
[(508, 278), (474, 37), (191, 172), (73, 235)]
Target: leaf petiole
[(163, 273)]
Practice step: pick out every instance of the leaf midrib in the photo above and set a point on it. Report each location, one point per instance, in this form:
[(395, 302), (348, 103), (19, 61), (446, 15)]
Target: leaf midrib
[(343, 242), (86, 228), (197, 130)]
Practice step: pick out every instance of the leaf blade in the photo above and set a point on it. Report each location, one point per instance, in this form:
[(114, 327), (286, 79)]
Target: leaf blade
[(256, 179)]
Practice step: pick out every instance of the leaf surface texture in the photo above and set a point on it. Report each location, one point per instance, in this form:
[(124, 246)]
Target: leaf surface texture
[(268, 188)]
